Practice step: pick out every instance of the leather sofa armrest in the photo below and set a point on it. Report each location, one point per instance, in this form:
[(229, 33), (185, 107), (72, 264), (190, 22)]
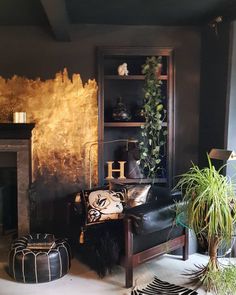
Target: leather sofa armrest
[(151, 217), (157, 192)]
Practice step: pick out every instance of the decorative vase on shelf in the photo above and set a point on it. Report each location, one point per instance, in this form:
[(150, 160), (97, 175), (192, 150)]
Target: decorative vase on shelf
[(120, 111)]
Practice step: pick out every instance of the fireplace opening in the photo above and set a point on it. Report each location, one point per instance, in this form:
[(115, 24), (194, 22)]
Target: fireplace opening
[(8, 192)]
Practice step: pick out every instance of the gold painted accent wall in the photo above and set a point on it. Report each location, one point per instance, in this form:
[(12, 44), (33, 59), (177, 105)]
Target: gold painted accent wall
[(66, 115)]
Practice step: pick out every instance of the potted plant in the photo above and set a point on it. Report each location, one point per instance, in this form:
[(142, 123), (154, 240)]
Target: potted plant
[(211, 213), (153, 135)]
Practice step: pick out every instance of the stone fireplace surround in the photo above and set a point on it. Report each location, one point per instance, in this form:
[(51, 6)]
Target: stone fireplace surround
[(17, 138)]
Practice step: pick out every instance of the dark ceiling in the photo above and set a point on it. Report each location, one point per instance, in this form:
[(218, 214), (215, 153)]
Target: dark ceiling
[(59, 14), (147, 12), (132, 12)]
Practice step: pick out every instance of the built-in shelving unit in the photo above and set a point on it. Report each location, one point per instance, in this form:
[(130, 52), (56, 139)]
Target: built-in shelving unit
[(130, 88)]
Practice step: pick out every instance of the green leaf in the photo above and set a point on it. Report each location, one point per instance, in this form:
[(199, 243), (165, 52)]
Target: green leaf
[(159, 107), (153, 135)]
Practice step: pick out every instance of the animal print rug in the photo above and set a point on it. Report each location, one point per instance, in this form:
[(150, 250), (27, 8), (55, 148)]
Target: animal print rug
[(158, 287)]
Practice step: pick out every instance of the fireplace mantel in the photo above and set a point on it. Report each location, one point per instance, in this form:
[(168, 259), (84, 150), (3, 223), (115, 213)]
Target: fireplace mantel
[(16, 130), (16, 137)]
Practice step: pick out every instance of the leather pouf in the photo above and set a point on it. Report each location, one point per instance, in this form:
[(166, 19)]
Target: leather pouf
[(38, 266)]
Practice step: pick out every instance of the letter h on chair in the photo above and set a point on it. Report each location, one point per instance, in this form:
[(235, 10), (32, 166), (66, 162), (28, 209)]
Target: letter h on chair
[(150, 231)]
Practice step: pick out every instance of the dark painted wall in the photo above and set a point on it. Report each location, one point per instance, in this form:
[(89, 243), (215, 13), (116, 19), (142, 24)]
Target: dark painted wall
[(32, 52), (231, 126), (214, 86)]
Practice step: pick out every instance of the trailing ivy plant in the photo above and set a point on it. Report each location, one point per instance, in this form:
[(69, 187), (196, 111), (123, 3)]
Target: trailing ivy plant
[(153, 135)]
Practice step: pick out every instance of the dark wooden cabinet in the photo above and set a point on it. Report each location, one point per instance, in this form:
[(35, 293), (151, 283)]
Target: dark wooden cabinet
[(130, 88)]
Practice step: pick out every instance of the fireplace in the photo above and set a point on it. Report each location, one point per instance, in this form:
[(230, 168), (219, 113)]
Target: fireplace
[(16, 138), (66, 112), (8, 192)]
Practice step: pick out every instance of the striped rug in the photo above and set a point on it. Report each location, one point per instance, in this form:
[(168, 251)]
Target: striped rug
[(158, 287)]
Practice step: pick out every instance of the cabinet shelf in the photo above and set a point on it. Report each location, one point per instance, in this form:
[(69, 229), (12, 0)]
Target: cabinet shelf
[(128, 124), (130, 77), (138, 180), (123, 124)]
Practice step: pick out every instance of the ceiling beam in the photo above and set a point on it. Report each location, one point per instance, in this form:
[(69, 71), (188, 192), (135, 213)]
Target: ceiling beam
[(58, 18)]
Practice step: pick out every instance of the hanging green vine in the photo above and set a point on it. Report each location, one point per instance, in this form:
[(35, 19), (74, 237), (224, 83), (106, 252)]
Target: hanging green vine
[(154, 136)]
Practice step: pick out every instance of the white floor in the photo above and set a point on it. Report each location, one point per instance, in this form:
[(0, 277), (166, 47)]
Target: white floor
[(81, 280)]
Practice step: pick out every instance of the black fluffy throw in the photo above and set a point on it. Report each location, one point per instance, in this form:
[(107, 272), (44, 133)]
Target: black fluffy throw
[(102, 247)]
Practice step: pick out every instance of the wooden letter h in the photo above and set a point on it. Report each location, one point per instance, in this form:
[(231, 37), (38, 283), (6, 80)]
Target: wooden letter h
[(121, 170)]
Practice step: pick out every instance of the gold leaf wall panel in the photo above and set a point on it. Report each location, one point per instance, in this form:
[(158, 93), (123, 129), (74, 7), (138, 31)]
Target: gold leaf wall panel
[(66, 115)]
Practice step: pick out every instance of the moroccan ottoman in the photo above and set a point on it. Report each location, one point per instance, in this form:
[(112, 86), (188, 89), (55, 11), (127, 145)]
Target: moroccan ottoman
[(39, 258)]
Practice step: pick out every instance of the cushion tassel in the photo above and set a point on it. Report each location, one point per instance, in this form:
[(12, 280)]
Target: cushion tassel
[(81, 237)]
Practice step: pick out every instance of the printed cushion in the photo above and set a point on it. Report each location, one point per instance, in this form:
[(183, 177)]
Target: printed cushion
[(136, 194), (102, 205)]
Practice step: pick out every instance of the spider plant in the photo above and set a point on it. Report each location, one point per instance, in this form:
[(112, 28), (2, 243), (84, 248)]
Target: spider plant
[(211, 212), (224, 280)]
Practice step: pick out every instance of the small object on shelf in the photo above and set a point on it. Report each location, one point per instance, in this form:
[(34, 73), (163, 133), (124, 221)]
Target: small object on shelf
[(158, 70), (19, 117), (133, 168), (139, 114), (131, 154), (120, 111), (123, 70), (121, 170)]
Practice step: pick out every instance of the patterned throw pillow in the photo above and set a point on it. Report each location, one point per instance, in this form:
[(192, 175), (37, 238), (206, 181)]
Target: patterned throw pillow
[(103, 205), (136, 194)]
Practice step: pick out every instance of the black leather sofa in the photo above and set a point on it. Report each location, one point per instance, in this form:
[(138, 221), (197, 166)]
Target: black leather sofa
[(146, 231), (150, 230)]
